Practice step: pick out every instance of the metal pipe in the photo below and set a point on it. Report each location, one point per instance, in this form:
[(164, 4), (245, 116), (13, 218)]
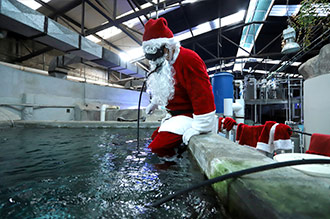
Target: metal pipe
[(23, 68), (289, 97), (83, 18), (35, 106), (255, 97), (301, 102)]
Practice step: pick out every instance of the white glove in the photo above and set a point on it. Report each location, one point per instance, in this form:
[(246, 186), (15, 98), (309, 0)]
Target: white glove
[(150, 108), (188, 134)]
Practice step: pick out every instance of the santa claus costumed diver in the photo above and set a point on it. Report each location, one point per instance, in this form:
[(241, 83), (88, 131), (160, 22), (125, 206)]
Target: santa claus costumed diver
[(181, 84)]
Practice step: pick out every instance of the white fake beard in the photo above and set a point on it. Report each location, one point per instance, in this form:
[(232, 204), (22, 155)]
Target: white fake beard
[(161, 83)]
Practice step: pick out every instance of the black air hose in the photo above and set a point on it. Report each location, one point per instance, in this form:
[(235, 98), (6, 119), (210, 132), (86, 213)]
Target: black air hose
[(237, 174), (139, 105), (138, 118)]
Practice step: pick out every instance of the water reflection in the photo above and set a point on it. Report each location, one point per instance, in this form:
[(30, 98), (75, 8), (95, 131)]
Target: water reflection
[(64, 173)]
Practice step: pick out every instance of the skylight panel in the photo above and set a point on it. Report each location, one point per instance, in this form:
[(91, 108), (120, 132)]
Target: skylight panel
[(202, 28), (182, 35), (229, 20), (186, 34), (109, 32), (32, 4), (93, 38)]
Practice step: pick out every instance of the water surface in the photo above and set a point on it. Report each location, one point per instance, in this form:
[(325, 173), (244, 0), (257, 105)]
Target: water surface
[(94, 173)]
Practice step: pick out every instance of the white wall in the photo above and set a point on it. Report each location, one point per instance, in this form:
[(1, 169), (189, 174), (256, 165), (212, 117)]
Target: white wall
[(317, 105), (24, 87)]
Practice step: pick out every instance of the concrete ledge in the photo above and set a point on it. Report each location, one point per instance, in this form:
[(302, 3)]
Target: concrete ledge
[(83, 124), (278, 193), (5, 124)]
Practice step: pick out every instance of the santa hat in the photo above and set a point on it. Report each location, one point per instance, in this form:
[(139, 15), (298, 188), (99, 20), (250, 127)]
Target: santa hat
[(239, 131), (282, 136), (250, 134), (156, 34), (263, 141), (320, 144)]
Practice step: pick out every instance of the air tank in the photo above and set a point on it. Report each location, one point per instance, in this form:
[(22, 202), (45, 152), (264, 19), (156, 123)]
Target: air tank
[(223, 90)]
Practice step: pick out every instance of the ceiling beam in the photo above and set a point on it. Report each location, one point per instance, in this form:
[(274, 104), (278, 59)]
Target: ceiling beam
[(54, 10), (144, 11), (208, 52), (118, 25), (33, 54), (235, 44), (139, 7), (75, 23), (129, 2)]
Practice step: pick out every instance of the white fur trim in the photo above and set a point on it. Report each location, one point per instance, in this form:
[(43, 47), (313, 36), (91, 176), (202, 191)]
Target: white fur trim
[(204, 122), (270, 146), (176, 124), (263, 147), (283, 144), (176, 54), (152, 45), (271, 138)]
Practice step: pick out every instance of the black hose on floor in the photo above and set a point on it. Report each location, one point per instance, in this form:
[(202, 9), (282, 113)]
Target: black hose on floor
[(239, 173)]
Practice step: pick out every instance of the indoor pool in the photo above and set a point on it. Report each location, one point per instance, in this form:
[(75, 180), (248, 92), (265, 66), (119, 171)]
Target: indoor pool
[(94, 173)]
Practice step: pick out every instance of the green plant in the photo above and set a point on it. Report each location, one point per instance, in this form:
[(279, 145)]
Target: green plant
[(308, 23)]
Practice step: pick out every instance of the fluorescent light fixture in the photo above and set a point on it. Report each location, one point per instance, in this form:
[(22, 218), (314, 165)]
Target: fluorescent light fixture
[(268, 61), (32, 4), (278, 73), (257, 71), (215, 68)]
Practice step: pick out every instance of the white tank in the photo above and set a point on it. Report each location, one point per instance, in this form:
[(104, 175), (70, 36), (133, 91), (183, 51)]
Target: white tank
[(317, 105)]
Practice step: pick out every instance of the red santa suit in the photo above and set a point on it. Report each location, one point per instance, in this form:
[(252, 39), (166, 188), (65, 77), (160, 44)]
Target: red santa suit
[(192, 106)]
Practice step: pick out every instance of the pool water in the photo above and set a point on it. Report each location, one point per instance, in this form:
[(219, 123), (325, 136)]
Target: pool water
[(94, 173)]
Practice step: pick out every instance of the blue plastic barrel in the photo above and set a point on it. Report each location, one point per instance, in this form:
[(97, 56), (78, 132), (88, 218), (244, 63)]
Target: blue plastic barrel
[(222, 84)]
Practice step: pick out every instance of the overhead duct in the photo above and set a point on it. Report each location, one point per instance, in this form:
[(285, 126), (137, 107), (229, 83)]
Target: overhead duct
[(21, 19), (18, 18), (57, 66), (58, 36), (88, 49)]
